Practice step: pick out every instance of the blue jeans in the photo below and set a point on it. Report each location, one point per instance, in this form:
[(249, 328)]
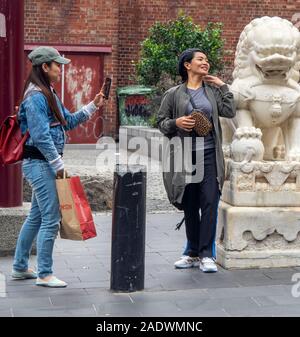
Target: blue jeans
[(43, 219)]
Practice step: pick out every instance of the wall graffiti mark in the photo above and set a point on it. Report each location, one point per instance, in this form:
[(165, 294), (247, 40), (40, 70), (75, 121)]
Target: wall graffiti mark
[(137, 106), (89, 129), (79, 84)]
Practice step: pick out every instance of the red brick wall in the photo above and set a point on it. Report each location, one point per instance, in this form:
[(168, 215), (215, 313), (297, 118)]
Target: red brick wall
[(125, 23), (234, 14)]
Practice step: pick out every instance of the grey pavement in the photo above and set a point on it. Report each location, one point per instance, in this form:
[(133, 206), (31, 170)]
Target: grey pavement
[(168, 292)]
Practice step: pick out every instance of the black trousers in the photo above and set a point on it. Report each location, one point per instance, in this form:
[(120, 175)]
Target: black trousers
[(204, 196)]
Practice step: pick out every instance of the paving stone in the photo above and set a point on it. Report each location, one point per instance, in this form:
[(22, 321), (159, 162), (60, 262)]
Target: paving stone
[(177, 295), (265, 311), (5, 312), (87, 311), (25, 303), (116, 308), (277, 300), (211, 304), (248, 291), (157, 308)]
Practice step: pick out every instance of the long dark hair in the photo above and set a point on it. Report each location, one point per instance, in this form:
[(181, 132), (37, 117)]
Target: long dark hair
[(186, 56), (38, 77)]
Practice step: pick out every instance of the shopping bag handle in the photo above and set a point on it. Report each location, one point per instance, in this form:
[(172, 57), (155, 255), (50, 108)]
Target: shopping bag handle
[(66, 174)]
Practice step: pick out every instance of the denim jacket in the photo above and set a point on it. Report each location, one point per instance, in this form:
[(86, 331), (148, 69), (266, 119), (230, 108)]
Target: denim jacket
[(35, 115)]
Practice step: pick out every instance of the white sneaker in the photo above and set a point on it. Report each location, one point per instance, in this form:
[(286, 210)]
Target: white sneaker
[(187, 262), (53, 282), (208, 265)]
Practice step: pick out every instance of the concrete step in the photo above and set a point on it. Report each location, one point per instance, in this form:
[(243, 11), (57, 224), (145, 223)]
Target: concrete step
[(11, 220), (98, 188)]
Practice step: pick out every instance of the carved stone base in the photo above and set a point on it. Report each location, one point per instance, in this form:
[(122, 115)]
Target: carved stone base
[(265, 259), (258, 237), (262, 183)]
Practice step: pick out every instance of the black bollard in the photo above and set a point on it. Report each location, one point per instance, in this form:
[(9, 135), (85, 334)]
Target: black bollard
[(128, 228)]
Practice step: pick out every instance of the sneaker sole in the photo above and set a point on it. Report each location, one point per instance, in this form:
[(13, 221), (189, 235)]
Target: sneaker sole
[(18, 278), (48, 286), (188, 267), (24, 277), (208, 270)]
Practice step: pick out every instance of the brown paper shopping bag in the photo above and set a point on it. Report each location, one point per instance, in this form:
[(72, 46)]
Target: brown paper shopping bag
[(77, 220)]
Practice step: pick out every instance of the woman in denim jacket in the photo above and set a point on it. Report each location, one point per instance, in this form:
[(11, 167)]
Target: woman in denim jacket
[(46, 119)]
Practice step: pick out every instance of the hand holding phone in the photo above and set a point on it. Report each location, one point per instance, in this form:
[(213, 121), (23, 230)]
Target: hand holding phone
[(104, 93), (106, 87)]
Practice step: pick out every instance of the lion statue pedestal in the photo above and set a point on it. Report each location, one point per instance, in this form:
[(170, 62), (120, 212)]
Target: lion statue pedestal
[(259, 215)]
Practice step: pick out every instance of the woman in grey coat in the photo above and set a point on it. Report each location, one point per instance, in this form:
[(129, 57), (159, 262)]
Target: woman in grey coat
[(197, 186)]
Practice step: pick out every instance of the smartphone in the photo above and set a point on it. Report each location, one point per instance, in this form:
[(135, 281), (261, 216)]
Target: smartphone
[(106, 89)]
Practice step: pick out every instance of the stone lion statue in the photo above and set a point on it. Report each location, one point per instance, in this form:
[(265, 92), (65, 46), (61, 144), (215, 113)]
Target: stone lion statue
[(267, 93)]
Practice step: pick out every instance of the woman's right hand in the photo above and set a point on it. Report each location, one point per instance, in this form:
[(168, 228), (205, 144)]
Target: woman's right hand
[(186, 123)]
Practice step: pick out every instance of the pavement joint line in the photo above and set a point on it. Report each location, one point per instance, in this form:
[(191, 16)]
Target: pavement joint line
[(95, 309), (224, 310), (178, 307), (254, 300), (49, 298), (268, 276)]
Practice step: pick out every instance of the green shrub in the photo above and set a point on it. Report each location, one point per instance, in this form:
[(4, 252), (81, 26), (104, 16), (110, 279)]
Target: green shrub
[(166, 41)]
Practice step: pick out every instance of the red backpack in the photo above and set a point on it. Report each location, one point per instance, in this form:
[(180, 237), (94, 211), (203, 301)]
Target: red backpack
[(11, 141)]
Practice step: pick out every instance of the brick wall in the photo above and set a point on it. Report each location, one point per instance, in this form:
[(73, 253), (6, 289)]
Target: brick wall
[(123, 24), (234, 14)]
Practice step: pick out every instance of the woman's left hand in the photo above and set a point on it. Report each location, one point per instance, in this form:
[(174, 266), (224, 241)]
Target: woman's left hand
[(99, 98), (213, 80)]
